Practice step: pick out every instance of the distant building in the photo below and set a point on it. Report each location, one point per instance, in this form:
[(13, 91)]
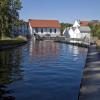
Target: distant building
[(95, 21), (84, 23), (44, 28), (87, 23), (21, 29), (78, 31)]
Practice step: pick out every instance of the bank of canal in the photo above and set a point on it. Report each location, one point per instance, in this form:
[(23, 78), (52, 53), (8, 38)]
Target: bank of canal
[(42, 70), (90, 88), (8, 44)]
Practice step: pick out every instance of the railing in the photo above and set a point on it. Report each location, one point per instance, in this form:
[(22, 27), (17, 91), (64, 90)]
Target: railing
[(75, 41), (64, 39)]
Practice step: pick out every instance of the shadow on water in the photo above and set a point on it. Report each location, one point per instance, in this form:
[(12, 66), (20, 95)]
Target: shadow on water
[(9, 71)]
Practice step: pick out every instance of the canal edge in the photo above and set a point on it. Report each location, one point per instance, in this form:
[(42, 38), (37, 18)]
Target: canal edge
[(86, 60)]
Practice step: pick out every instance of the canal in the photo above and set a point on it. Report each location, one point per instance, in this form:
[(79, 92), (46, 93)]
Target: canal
[(42, 70)]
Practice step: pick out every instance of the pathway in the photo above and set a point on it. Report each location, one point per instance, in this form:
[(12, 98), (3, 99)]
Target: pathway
[(90, 89)]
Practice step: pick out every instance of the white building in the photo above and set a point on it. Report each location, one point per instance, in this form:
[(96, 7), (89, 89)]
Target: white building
[(44, 28), (77, 31)]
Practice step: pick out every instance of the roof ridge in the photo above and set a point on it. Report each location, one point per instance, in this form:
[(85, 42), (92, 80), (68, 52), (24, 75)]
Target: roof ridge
[(44, 20)]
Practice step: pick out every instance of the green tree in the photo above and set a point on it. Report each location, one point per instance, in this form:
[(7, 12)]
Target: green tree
[(9, 16), (65, 25), (95, 29)]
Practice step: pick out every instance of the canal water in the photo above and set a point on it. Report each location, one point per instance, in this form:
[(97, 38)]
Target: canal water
[(42, 70)]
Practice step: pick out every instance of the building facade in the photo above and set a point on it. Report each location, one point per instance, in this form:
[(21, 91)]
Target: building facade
[(44, 28), (78, 31)]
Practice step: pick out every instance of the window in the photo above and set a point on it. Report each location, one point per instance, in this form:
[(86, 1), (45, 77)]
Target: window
[(41, 30), (55, 30), (46, 29), (50, 30), (36, 30)]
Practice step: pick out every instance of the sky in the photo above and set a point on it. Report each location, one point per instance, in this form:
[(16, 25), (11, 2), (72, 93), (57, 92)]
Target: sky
[(63, 10)]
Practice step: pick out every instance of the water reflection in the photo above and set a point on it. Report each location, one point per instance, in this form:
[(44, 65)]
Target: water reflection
[(10, 65), (4, 91), (10, 71), (43, 48), (47, 70)]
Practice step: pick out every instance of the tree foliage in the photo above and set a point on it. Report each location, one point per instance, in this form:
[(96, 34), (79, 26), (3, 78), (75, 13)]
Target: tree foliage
[(95, 29), (9, 15), (65, 25)]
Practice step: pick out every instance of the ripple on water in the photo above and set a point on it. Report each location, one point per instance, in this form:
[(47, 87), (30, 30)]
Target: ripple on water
[(43, 71)]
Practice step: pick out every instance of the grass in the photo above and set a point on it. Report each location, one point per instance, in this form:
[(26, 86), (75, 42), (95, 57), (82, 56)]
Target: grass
[(12, 42)]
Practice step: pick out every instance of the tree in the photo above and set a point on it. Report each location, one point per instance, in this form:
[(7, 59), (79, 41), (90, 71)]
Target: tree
[(9, 15), (65, 25), (95, 29)]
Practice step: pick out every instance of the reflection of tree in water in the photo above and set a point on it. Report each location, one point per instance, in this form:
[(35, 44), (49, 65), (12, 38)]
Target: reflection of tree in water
[(10, 70), (3, 91)]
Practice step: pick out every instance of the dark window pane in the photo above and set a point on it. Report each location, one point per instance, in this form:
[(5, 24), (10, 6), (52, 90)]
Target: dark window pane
[(36, 30), (55, 30), (50, 30), (41, 30)]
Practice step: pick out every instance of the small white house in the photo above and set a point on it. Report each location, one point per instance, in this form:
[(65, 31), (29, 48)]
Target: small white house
[(77, 31), (44, 28)]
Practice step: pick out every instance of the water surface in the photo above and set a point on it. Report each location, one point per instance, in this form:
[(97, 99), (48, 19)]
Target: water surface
[(42, 71)]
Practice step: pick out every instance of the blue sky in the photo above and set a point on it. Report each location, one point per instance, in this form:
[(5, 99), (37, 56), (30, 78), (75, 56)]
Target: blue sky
[(62, 10)]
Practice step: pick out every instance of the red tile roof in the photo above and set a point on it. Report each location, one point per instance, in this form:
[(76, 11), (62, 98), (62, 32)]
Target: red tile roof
[(84, 23), (44, 23)]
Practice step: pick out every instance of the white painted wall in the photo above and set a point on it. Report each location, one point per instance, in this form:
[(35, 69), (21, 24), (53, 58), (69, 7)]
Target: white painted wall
[(71, 33), (30, 29), (46, 31), (77, 33), (76, 24)]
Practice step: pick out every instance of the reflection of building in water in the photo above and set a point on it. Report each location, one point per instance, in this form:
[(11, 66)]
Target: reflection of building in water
[(43, 48), (74, 50)]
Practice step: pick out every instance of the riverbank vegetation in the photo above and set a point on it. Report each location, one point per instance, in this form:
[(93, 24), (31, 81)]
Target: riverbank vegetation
[(95, 31), (10, 23), (9, 17), (10, 42)]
